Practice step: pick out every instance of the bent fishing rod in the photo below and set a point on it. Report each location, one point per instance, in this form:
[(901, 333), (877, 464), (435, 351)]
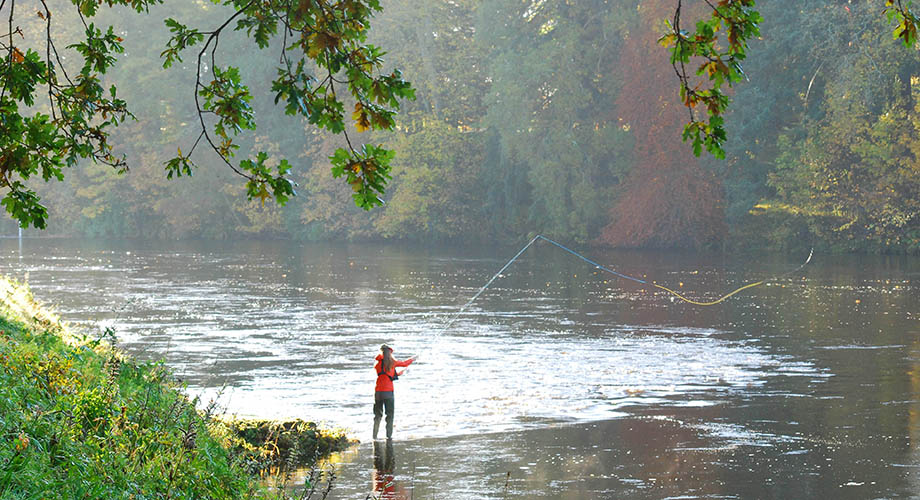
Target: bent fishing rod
[(601, 267)]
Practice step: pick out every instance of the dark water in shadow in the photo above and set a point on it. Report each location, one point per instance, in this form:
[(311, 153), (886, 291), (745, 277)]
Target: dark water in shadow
[(558, 383)]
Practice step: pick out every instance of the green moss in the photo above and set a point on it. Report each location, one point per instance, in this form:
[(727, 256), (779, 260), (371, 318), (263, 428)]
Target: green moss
[(270, 444), (79, 420)]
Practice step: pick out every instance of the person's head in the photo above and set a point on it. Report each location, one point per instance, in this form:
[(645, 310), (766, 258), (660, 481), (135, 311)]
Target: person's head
[(388, 360)]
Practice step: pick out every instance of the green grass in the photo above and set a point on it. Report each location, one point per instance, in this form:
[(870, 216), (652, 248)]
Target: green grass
[(79, 420)]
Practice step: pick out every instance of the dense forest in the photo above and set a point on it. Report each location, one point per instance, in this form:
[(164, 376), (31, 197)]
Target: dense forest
[(553, 117)]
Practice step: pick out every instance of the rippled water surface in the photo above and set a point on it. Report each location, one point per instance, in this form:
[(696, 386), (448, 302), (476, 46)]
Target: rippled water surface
[(559, 381)]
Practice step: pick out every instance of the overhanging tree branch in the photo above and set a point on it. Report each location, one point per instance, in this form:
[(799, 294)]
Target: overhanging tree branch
[(328, 35), (325, 34), (720, 44)]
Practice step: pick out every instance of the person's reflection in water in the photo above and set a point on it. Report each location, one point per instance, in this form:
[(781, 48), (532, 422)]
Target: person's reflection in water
[(384, 477)]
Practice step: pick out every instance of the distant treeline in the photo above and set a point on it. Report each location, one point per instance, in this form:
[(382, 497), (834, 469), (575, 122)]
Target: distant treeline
[(551, 117)]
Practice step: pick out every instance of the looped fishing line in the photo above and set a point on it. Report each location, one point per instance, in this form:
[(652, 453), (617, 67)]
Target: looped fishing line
[(745, 287), (679, 296), (456, 314)]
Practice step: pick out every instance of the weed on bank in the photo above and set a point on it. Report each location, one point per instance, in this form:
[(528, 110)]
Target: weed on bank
[(78, 420)]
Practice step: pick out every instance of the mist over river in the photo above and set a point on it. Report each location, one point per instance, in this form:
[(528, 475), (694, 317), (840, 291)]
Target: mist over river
[(560, 381)]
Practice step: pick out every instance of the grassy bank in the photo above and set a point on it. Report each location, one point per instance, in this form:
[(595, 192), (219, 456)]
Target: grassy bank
[(79, 420)]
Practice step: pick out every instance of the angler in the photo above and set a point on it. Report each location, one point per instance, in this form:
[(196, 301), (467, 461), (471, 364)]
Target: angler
[(383, 394)]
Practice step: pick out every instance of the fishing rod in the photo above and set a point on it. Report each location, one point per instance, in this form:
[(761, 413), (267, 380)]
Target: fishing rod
[(475, 296)]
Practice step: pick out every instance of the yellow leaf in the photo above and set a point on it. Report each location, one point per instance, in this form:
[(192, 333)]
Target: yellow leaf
[(263, 195), (667, 40), (314, 48), (362, 123)]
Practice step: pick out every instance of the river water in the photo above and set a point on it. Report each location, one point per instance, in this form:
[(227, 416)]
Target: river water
[(560, 381)]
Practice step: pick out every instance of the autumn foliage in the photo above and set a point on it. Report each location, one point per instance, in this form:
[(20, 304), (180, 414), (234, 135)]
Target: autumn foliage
[(669, 200)]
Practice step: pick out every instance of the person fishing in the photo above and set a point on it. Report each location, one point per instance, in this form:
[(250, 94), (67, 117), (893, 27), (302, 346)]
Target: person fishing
[(383, 394)]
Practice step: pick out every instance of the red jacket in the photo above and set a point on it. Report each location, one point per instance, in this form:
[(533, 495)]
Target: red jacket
[(384, 383)]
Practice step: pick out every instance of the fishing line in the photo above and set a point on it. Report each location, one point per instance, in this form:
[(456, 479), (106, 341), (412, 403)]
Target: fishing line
[(456, 314), (745, 287), (460, 311)]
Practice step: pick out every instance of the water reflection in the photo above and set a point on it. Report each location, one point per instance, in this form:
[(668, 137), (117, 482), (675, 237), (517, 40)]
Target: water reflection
[(913, 413), (384, 477)]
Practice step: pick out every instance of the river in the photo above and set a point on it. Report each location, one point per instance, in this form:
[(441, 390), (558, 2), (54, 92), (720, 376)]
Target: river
[(560, 381)]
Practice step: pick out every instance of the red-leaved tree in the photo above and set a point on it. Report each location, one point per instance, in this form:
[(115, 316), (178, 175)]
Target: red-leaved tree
[(669, 200)]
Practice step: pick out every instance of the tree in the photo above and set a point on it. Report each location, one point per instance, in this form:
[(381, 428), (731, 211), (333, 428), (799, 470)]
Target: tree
[(435, 194), (669, 200), (718, 46), (557, 152), (849, 174), (435, 191), (793, 54), (53, 118)]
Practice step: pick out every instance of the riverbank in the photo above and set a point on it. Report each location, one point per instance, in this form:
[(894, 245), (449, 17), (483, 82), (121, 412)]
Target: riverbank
[(78, 419)]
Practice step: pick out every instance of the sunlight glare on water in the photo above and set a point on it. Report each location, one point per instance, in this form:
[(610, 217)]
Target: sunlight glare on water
[(482, 383)]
